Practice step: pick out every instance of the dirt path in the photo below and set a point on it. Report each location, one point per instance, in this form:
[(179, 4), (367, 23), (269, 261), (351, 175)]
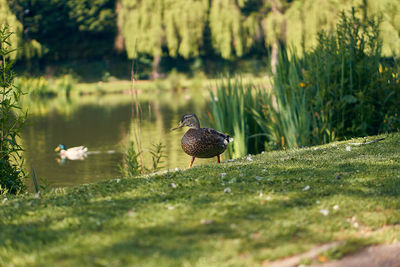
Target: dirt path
[(373, 256)]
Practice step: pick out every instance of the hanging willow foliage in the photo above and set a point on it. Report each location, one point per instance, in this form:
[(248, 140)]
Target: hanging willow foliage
[(9, 19)]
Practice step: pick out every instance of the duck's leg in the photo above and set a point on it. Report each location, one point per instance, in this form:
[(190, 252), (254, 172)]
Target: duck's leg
[(218, 159), (191, 163)]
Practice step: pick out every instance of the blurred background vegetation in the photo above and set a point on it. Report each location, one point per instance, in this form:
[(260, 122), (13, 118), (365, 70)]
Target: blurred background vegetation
[(98, 38)]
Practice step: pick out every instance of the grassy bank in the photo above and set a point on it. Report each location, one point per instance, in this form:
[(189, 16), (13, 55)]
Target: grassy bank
[(280, 204)]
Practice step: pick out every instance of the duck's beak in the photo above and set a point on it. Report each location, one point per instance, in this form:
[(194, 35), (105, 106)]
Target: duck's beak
[(57, 149), (179, 126)]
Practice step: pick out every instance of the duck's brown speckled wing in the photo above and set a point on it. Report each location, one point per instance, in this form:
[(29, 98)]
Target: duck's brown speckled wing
[(204, 142)]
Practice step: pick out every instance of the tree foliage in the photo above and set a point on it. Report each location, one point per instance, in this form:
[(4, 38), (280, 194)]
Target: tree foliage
[(178, 25), (187, 29), (9, 19), (73, 28), (142, 26)]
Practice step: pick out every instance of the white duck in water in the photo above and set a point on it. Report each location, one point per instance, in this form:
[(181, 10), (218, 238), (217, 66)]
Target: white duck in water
[(73, 153)]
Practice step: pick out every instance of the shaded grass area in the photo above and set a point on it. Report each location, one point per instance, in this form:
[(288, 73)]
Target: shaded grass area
[(269, 213)]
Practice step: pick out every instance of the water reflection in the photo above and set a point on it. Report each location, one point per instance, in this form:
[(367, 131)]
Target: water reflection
[(104, 125)]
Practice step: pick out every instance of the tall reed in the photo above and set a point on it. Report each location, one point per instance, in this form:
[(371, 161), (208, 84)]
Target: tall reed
[(230, 112), (341, 88), (11, 122), (134, 162)]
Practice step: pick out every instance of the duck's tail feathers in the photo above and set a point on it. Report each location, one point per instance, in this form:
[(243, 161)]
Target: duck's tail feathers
[(230, 139)]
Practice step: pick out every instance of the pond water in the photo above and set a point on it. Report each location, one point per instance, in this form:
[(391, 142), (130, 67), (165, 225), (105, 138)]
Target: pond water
[(105, 124)]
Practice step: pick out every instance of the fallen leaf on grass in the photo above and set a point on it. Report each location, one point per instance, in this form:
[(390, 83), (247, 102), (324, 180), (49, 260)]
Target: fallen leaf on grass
[(256, 235), (322, 258)]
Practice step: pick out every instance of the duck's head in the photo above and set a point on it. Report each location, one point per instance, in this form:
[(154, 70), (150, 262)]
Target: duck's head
[(189, 120), (60, 147)]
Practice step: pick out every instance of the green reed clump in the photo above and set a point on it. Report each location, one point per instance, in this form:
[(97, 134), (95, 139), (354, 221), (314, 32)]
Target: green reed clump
[(64, 85), (11, 159), (41, 87), (36, 87), (157, 154), (231, 112), (131, 163), (341, 88)]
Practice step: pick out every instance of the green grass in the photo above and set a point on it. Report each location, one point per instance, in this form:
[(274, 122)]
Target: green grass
[(144, 221)]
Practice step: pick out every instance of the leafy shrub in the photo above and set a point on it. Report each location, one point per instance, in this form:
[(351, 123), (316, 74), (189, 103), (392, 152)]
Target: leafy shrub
[(11, 160), (341, 88)]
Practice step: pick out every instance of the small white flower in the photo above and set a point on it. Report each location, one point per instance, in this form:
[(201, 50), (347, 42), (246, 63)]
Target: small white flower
[(223, 175), (306, 188), (259, 178), (131, 212), (318, 202), (348, 148), (233, 180), (334, 145), (268, 198), (261, 194), (249, 158), (315, 148), (205, 221), (118, 180), (336, 207), (38, 195), (262, 152), (324, 212), (355, 225), (170, 207), (227, 190), (4, 200), (173, 185)]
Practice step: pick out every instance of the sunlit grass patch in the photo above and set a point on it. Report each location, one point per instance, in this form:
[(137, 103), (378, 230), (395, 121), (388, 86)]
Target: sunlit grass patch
[(280, 203)]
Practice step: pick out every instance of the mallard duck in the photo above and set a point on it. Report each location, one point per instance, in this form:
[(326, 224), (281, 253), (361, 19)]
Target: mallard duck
[(202, 142), (73, 153)]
